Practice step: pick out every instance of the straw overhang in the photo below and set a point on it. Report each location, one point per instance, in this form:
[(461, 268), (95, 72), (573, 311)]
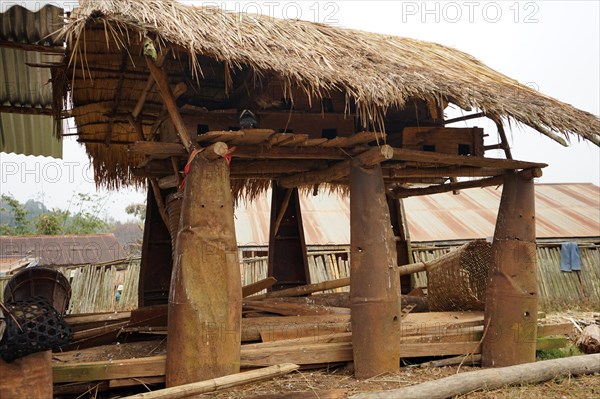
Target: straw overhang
[(375, 72)]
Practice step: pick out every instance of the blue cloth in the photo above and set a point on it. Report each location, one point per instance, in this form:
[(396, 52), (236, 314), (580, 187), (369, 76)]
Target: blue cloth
[(569, 257)]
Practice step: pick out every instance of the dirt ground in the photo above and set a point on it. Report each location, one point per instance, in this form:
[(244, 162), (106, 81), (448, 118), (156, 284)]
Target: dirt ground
[(339, 382)]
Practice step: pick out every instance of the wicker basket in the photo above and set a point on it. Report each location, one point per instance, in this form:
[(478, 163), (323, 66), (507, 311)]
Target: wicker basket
[(458, 280)]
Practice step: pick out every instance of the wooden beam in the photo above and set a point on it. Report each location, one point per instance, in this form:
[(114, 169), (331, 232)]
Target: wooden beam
[(160, 77), (159, 201), (261, 152), (258, 286), (165, 150), (442, 188), (239, 167), (33, 47), (465, 118), (395, 171), (305, 289), (373, 156), (401, 154), (503, 138)]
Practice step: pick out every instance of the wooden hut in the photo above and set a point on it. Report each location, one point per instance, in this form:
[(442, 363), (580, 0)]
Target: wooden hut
[(215, 105)]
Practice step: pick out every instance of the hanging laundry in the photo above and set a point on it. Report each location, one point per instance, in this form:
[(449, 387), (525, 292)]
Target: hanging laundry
[(569, 257)]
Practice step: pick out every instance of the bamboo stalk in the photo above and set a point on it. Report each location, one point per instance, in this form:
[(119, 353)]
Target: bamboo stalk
[(219, 383)]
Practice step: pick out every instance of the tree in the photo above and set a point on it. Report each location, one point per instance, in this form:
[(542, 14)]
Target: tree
[(20, 223), (137, 210), (19, 219)]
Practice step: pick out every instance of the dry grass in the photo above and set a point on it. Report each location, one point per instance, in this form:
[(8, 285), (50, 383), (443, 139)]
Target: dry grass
[(376, 72), (321, 381)]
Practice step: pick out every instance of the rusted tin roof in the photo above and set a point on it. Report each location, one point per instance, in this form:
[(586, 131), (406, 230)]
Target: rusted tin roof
[(62, 250), (562, 211)]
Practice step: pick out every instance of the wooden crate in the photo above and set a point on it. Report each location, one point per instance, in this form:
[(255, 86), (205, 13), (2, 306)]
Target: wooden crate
[(457, 141)]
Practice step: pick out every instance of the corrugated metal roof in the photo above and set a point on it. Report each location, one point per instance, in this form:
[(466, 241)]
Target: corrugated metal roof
[(326, 220), (562, 211), (63, 250), (24, 84)]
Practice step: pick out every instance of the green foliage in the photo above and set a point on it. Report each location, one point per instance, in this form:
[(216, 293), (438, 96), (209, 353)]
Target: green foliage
[(137, 210), (558, 353), (27, 219), (51, 223), (21, 224)]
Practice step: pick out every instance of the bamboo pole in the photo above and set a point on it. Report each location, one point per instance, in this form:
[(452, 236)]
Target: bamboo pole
[(219, 383), (160, 77)]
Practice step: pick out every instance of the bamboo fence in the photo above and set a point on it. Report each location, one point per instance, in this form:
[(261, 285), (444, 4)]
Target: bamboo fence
[(557, 290), (94, 286)]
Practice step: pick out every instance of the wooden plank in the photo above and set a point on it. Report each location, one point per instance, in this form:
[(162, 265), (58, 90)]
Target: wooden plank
[(305, 289), (297, 140), (224, 136), (395, 171), (545, 343), (293, 309), (442, 188), (253, 136), (401, 154), (299, 354), (554, 329), (109, 370), (314, 142), (257, 286), (305, 331), (252, 328), (439, 349)]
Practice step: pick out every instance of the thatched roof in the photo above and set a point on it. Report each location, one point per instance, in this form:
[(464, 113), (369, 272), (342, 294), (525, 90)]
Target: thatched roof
[(376, 72)]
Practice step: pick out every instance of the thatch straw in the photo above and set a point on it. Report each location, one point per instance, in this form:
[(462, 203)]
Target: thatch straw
[(378, 71), (375, 71)]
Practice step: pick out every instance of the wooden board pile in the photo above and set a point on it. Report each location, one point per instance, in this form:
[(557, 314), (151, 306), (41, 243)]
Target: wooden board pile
[(129, 348)]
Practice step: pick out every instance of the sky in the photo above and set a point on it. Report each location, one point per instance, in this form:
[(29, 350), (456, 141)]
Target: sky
[(552, 46)]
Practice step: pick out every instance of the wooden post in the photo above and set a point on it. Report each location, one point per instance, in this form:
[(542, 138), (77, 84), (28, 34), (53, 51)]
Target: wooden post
[(288, 261), (511, 297), (27, 377), (157, 256), (205, 301), (403, 248), (374, 282)]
